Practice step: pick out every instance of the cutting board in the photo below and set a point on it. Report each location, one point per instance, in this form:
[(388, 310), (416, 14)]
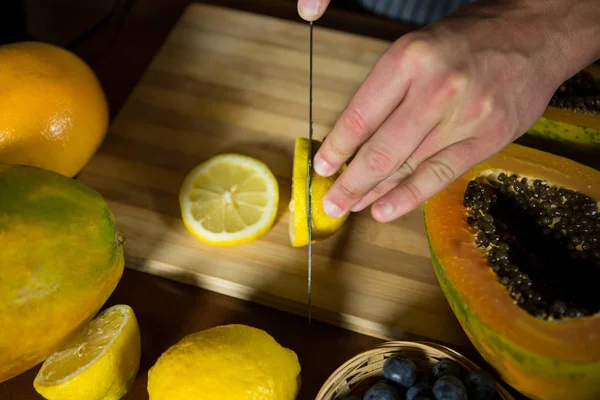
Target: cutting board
[(231, 81)]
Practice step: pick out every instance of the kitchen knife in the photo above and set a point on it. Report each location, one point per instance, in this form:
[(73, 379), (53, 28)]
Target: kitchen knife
[(309, 174)]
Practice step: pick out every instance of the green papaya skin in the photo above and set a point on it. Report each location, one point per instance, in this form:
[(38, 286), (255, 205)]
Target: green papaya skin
[(61, 258)]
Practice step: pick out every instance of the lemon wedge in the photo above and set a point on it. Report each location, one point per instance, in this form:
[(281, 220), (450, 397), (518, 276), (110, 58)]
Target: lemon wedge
[(99, 363), (229, 199), (323, 226)]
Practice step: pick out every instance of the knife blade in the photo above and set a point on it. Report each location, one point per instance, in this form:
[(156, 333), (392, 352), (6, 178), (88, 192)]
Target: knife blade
[(309, 174)]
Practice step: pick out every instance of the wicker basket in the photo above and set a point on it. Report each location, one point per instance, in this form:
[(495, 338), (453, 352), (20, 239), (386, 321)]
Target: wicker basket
[(354, 376)]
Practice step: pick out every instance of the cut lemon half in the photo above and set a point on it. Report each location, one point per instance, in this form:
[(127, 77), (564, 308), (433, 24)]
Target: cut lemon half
[(99, 363), (323, 226), (229, 199)]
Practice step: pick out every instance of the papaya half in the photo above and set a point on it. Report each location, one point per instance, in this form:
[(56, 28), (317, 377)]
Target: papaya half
[(61, 257), (570, 125), (515, 244)]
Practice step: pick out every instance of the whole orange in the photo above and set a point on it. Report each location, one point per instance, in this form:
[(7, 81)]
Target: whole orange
[(53, 111)]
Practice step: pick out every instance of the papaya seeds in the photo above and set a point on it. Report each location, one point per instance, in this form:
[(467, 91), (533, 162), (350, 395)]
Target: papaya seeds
[(580, 93), (542, 241)]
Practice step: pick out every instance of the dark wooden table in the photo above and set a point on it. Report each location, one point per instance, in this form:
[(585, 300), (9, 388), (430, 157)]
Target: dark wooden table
[(119, 53)]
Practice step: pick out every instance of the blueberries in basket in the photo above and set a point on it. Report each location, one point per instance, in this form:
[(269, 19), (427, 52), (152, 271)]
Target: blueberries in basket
[(449, 388), (480, 385), (382, 391), (419, 390), (400, 370), (446, 367)]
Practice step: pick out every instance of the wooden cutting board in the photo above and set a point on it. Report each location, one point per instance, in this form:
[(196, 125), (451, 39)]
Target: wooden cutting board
[(231, 81)]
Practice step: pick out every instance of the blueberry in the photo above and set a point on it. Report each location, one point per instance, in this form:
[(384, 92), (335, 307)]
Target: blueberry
[(422, 398), (419, 389), (382, 391), (449, 388), (446, 367), (400, 370), (480, 385)]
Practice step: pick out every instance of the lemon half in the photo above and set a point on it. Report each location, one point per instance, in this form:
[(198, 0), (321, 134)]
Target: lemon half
[(229, 199), (323, 226), (229, 362), (99, 363)]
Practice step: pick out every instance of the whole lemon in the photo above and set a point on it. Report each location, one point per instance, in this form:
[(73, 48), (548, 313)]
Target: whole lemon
[(53, 111), (230, 362)]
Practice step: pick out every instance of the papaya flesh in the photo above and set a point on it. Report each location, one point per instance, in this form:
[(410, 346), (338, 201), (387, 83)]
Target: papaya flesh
[(61, 258), (545, 350)]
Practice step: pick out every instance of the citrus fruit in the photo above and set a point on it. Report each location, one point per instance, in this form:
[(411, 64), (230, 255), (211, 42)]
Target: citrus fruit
[(229, 199), (99, 363), (323, 226), (54, 112), (232, 362)]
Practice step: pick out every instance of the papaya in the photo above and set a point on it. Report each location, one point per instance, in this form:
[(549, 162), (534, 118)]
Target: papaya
[(61, 258), (570, 125), (515, 245)]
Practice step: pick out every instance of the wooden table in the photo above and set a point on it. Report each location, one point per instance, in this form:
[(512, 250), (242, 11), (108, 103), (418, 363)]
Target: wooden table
[(168, 310)]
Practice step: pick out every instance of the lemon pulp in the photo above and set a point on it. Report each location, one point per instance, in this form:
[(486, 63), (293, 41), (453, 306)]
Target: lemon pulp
[(229, 199), (99, 363)]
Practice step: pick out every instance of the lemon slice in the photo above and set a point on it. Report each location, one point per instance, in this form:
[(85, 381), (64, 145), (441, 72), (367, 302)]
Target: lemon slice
[(99, 363), (229, 199), (323, 226)]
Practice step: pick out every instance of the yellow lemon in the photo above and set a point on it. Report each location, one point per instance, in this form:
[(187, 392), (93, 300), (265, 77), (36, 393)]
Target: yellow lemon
[(323, 226), (230, 362), (229, 199), (99, 363)]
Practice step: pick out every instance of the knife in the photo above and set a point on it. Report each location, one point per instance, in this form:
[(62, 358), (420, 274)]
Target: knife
[(309, 174)]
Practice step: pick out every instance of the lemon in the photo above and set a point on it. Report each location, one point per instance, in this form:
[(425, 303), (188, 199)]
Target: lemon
[(229, 362), (99, 363), (323, 226), (229, 199)]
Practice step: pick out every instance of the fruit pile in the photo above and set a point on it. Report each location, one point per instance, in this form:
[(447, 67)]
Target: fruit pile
[(446, 381)]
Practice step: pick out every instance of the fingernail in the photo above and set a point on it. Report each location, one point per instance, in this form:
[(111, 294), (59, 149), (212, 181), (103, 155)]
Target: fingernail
[(384, 209), (309, 9), (323, 168), (332, 209)]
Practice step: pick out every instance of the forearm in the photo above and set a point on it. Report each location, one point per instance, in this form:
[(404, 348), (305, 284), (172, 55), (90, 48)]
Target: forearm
[(565, 33), (576, 30)]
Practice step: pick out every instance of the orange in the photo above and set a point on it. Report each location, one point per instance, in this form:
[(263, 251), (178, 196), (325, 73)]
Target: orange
[(53, 111)]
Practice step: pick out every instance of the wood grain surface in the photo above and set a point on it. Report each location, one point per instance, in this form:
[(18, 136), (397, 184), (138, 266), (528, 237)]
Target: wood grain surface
[(231, 81)]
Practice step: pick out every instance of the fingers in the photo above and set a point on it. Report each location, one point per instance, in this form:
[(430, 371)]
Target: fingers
[(433, 175), (390, 147), (382, 90), (311, 10)]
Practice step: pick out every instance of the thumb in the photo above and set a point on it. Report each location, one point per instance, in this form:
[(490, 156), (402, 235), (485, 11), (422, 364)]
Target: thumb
[(311, 10)]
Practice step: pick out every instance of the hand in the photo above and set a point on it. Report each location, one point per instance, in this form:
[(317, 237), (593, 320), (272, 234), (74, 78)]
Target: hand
[(439, 101), (311, 10)]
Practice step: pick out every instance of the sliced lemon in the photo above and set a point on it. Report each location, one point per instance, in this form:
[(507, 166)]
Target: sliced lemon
[(323, 226), (99, 363), (229, 199)]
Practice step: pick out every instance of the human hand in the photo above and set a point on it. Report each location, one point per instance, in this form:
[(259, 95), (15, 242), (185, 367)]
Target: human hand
[(439, 101), (311, 10)]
